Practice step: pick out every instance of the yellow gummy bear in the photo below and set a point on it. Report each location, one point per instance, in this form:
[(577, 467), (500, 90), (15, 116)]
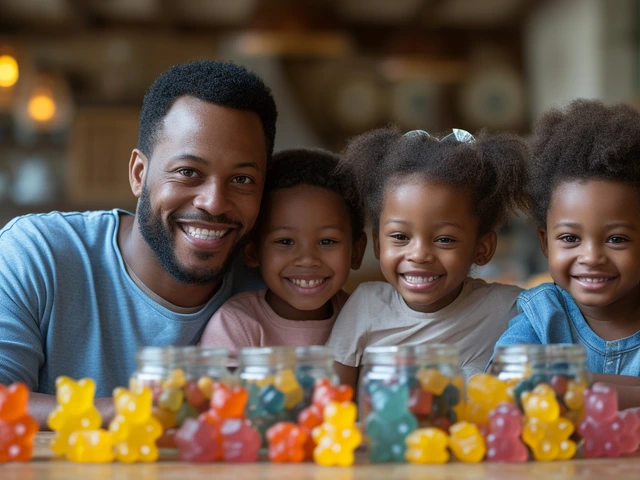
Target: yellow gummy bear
[(287, 383), (541, 403), (175, 380), (205, 384), (134, 429), (431, 380), (487, 390), (90, 446), (573, 398), (549, 440), (427, 445), (466, 442), (337, 437), (75, 411)]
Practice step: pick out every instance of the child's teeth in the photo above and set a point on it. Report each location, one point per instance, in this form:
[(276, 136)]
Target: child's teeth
[(307, 283), (595, 280), (204, 234), (412, 279)]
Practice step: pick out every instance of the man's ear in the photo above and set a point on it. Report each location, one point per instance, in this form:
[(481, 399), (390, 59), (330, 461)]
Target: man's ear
[(250, 255), (138, 166), (486, 248), (544, 242), (376, 243), (358, 250)]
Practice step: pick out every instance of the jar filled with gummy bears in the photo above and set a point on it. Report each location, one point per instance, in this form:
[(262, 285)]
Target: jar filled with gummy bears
[(403, 388), (275, 394), (563, 367), (180, 378), (313, 364)]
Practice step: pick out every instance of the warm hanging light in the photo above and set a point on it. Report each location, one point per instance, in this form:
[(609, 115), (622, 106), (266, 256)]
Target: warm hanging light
[(41, 106), (8, 71)]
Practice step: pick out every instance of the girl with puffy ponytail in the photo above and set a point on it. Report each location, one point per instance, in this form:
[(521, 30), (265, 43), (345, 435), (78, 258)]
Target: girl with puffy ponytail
[(434, 206)]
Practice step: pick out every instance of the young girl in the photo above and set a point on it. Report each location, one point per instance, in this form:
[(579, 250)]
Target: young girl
[(310, 234), (434, 206), (584, 193)]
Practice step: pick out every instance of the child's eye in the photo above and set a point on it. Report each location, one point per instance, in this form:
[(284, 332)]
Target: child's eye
[(284, 241), (327, 241), (617, 239), (399, 236), (444, 240), (569, 239)]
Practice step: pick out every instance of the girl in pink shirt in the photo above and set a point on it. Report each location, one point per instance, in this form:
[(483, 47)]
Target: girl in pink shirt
[(309, 235)]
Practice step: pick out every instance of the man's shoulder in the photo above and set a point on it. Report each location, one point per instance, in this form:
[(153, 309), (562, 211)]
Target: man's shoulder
[(57, 223)]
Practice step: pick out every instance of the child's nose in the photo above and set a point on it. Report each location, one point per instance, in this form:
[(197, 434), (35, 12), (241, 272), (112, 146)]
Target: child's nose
[(307, 257), (591, 254), (420, 254)]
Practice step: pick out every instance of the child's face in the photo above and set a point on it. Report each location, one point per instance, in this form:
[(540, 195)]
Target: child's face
[(305, 250), (427, 241), (592, 241)]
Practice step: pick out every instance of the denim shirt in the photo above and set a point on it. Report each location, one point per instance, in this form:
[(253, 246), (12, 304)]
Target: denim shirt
[(548, 314)]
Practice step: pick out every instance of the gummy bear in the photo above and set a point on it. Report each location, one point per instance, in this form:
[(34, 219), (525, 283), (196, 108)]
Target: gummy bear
[(420, 402), (240, 442), (90, 446), (432, 380), (503, 441), (75, 411), (485, 393), (134, 430), (630, 432), (287, 383), (466, 443), (308, 419), (286, 442), (541, 403), (229, 402), (389, 423), (272, 399), (17, 427), (337, 437), (601, 429), (324, 393), (198, 440), (573, 397), (427, 445), (549, 441)]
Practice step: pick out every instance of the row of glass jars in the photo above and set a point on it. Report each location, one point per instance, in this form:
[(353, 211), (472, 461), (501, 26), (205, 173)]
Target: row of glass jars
[(423, 383)]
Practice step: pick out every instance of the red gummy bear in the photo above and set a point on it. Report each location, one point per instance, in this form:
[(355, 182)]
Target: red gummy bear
[(17, 428), (287, 442), (240, 442), (420, 402), (228, 402), (630, 435), (324, 393), (601, 429), (503, 441), (198, 440)]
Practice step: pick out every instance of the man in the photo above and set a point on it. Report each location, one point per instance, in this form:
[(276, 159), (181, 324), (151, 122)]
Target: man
[(81, 292)]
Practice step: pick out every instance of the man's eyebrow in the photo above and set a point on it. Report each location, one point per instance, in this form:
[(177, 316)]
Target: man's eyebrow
[(253, 165), (204, 161)]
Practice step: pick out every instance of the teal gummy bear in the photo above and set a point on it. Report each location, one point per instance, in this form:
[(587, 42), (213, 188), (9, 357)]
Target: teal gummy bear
[(272, 399)]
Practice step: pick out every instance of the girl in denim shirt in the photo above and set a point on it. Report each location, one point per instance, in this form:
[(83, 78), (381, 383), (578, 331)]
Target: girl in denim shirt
[(584, 193)]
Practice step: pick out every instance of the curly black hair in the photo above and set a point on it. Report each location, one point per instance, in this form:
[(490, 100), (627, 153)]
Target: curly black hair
[(222, 83), (317, 168), (492, 170), (587, 140)]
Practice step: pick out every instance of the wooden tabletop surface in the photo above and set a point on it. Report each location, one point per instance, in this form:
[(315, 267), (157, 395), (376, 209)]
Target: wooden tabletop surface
[(45, 467)]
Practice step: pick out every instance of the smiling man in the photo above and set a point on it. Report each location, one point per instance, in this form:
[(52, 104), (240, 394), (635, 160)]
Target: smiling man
[(81, 292)]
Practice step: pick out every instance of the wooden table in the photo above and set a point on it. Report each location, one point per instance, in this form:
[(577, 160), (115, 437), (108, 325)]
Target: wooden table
[(45, 467)]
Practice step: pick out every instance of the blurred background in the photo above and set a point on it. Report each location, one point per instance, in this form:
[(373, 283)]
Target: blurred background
[(73, 74)]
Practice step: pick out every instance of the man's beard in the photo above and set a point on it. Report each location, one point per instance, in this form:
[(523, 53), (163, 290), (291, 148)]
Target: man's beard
[(161, 240)]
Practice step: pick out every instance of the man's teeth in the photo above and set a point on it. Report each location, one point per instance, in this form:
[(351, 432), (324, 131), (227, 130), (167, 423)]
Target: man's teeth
[(412, 279), (204, 234), (593, 280), (307, 283)]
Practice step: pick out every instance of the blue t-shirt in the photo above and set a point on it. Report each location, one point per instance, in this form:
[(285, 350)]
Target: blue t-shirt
[(548, 314), (68, 306)]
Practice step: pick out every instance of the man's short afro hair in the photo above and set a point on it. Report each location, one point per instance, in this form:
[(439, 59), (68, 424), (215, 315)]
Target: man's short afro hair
[(223, 83), (587, 140)]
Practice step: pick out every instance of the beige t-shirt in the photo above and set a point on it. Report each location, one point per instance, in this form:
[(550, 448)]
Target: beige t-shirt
[(377, 315)]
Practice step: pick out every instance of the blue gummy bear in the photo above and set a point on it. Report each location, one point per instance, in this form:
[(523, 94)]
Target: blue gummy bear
[(390, 401), (272, 399), (387, 437)]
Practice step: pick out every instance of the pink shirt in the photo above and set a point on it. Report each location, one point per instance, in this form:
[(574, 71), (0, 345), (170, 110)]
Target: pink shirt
[(247, 320)]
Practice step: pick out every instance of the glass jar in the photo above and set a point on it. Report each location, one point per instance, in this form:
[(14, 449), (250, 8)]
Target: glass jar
[(275, 395), (180, 378), (314, 363), (562, 366), (403, 388)]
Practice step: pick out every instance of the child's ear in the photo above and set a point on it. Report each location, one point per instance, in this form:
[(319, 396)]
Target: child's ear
[(250, 255), (358, 251), (544, 244), (376, 243), (486, 248)]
